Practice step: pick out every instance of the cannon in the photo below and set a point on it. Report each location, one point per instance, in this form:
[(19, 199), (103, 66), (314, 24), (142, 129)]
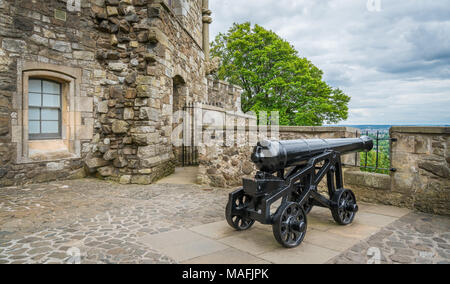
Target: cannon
[(291, 171)]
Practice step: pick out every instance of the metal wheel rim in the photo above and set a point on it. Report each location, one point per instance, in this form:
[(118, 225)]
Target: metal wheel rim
[(290, 233), (346, 199), (239, 222)]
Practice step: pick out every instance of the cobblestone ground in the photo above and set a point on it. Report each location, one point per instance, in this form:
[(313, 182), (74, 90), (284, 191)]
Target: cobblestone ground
[(97, 222), (92, 221), (414, 238)]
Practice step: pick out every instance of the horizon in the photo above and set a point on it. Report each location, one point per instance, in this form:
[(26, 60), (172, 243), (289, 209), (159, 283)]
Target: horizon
[(371, 124)]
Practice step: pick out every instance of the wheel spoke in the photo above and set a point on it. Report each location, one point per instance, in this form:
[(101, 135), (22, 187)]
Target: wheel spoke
[(237, 220), (296, 236)]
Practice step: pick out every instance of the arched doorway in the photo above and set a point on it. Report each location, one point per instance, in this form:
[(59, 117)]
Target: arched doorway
[(183, 125), (179, 94)]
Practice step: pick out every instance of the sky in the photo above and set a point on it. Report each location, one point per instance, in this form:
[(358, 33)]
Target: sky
[(391, 57)]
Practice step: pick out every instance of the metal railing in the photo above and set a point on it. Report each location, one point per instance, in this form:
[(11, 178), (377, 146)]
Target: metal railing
[(189, 153), (380, 156)]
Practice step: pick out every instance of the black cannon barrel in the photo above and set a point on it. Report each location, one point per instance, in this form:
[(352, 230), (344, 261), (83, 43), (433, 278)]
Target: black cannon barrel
[(271, 156)]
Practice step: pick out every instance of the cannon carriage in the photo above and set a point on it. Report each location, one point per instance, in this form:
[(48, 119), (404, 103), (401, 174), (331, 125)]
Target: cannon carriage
[(291, 171)]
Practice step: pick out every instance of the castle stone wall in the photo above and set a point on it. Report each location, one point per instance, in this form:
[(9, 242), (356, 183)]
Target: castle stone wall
[(421, 157), (225, 166), (30, 34), (124, 58)]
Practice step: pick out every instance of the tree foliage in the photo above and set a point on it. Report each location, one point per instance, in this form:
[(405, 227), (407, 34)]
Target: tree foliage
[(370, 159), (275, 78)]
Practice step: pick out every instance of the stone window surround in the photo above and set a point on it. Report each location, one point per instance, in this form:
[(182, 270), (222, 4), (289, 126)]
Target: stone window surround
[(70, 78)]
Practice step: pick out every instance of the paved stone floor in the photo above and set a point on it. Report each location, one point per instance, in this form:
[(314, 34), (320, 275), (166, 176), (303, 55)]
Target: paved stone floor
[(92, 221)]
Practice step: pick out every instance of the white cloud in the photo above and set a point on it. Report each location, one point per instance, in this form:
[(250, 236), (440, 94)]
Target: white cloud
[(395, 64)]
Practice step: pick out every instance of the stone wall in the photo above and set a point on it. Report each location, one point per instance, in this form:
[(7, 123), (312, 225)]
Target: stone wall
[(421, 157), (189, 12), (224, 95), (124, 59), (225, 166), (31, 34)]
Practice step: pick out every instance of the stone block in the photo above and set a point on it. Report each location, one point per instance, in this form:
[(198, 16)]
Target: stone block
[(112, 2), (130, 94), (134, 44), (110, 155), (84, 104), (112, 11), (143, 91), (403, 182), (150, 162), (141, 102), (403, 161), (405, 143), (141, 179), (14, 45), (436, 167), (120, 127), (148, 113), (86, 132), (139, 139), (116, 92), (102, 107), (117, 66), (4, 125), (131, 78), (365, 179), (92, 164), (145, 80), (77, 174), (107, 171), (143, 129), (39, 40), (146, 152), (84, 55), (5, 61), (422, 145), (23, 24), (120, 162), (55, 166), (143, 36), (114, 41), (60, 46), (125, 179), (128, 113)]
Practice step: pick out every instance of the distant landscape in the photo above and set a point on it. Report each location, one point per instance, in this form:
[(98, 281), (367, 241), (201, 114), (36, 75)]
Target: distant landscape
[(382, 129)]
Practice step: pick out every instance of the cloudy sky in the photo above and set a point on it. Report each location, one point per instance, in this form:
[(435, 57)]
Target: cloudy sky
[(391, 57)]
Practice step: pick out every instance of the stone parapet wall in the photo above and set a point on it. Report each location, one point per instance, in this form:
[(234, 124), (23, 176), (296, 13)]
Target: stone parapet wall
[(421, 157), (225, 166), (224, 95)]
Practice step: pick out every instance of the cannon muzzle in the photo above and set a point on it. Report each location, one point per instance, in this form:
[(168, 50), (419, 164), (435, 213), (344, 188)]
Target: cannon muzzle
[(272, 156)]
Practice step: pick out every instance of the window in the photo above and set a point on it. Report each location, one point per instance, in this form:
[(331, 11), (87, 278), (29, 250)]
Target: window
[(44, 109)]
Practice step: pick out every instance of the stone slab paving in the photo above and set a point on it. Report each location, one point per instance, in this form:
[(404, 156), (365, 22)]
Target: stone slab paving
[(92, 221), (50, 223), (414, 238)]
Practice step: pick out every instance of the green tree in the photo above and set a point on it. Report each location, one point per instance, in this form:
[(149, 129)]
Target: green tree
[(383, 162), (275, 78)]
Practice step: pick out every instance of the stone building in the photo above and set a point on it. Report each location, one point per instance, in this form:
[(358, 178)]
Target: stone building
[(91, 86)]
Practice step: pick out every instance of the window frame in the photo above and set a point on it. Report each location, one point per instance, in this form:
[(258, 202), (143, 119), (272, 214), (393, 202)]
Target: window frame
[(46, 136)]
